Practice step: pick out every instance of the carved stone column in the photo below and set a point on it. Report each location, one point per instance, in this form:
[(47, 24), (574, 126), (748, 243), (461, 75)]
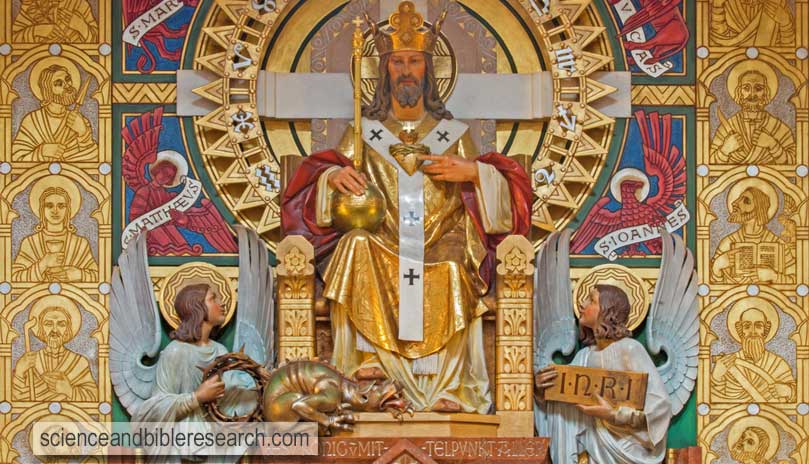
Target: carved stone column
[(514, 337), (296, 299)]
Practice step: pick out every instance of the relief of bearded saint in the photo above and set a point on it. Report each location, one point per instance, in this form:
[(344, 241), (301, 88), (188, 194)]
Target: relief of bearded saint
[(753, 373), (55, 132), (54, 373), (465, 204), (753, 253), (753, 135), (753, 440)]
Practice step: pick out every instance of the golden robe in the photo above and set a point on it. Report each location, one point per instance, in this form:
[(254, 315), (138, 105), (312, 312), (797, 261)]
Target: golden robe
[(40, 127), (785, 272), (740, 24), (34, 247), (746, 131), (74, 366), (362, 281), (34, 13), (771, 368)]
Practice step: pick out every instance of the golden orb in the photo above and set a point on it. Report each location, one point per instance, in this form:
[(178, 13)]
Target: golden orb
[(366, 211)]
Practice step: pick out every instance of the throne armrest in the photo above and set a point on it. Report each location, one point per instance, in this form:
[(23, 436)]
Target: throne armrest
[(514, 380), (296, 299)]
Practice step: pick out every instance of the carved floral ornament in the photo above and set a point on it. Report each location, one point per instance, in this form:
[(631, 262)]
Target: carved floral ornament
[(295, 261)]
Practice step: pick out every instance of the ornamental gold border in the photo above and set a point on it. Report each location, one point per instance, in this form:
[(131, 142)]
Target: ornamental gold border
[(716, 417), (231, 157)]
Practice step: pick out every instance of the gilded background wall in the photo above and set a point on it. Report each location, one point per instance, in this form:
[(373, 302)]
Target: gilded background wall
[(725, 79)]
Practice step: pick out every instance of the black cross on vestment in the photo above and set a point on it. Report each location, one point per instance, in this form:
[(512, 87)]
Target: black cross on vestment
[(443, 136), (376, 134), (411, 276)]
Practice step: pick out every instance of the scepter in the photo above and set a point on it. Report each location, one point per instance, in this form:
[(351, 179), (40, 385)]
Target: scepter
[(365, 211), (356, 62)]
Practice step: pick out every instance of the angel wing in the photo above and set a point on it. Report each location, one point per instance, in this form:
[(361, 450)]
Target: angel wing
[(662, 160), (255, 314), (598, 223), (673, 322), (554, 322), (141, 136), (207, 221), (134, 327)]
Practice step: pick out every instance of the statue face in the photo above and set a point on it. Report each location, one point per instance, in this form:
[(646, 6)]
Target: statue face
[(753, 324), (55, 207), (54, 326), (753, 91), (407, 71), (216, 315), (589, 310)]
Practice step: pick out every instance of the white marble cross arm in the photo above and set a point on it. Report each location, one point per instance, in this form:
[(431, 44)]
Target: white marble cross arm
[(509, 97)]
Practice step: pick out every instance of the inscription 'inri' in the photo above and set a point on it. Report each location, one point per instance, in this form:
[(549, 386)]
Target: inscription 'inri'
[(579, 385)]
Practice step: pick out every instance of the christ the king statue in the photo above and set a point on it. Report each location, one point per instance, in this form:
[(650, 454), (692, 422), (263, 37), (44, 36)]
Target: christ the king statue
[(406, 299)]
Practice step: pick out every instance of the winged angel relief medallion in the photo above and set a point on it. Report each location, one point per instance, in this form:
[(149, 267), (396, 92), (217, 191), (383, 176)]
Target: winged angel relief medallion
[(605, 432), (164, 199), (646, 198)]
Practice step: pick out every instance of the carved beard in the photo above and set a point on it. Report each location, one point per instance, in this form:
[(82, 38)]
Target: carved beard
[(67, 97), (740, 217), (408, 95), (745, 456), (55, 341), (753, 347), (752, 105)]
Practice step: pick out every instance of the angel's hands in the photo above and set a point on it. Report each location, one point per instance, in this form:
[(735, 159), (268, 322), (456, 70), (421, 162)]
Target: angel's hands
[(603, 410), (210, 390), (543, 380)]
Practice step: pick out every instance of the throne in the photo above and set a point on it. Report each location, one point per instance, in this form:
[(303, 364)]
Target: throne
[(304, 330)]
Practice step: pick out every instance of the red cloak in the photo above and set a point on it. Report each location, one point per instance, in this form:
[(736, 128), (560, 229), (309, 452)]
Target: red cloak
[(298, 204)]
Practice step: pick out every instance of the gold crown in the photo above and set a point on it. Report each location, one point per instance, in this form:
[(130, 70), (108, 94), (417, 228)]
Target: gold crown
[(406, 31)]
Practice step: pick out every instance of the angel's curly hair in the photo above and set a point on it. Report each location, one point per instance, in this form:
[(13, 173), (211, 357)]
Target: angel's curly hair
[(613, 316), (192, 311)]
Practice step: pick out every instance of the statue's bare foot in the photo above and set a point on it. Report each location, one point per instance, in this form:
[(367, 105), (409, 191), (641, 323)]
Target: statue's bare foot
[(445, 405), (370, 373)]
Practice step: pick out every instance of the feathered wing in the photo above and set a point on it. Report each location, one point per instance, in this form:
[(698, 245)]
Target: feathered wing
[(255, 314), (662, 160), (648, 13), (141, 136), (673, 322), (134, 327), (597, 224), (554, 321), (207, 221)]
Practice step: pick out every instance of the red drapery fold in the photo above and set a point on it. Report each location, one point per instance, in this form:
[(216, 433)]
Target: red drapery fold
[(299, 204)]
